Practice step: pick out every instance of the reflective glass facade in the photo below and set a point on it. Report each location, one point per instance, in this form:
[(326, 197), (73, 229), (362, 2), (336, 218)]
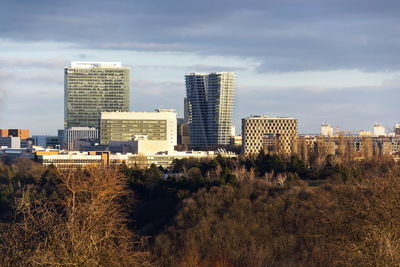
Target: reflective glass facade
[(209, 104), (92, 89)]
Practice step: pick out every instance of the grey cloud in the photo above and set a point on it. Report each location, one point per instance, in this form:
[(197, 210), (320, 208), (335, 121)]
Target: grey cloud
[(193, 68), (52, 63), (352, 108), (283, 35), (165, 94)]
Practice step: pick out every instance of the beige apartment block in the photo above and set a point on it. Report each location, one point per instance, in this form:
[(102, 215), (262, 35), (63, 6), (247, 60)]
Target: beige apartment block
[(258, 132)]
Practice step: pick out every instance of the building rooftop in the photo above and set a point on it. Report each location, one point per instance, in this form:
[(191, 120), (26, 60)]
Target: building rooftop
[(203, 73), (93, 64), (144, 115), (268, 117)]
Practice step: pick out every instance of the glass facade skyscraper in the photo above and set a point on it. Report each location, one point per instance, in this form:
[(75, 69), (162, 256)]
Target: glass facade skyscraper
[(91, 88), (209, 104)]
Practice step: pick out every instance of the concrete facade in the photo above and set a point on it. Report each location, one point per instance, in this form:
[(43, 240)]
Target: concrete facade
[(73, 134), (123, 126), (257, 129), (21, 133)]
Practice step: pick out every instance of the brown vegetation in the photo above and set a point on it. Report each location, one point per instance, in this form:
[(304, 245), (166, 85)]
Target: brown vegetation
[(261, 223), (267, 210), (87, 227)]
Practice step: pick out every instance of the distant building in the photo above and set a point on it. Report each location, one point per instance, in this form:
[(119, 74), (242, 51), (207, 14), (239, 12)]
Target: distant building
[(379, 130), (46, 141), (236, 140), (364, 133), (326, 130), (209, 107), (183, 134), (92, 88), (260, 132), (72, 160), (397, 129), (21, 133), (10, 142), (270, 143), (123, 126), (233, 130), (186, 110), (73, 134)]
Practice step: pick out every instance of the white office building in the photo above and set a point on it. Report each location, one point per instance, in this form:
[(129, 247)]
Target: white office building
[(160, 125), (74, 134)]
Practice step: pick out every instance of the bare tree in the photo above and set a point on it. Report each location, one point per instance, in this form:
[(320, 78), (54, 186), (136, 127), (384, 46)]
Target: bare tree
[(87, 228)]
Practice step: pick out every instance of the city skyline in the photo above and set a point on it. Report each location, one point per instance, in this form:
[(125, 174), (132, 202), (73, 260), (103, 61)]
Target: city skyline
[(335, 62)]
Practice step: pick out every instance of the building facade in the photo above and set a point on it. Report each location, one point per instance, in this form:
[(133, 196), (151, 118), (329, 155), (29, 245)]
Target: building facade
[(209, 106), (91, 88), (21, 133), (124, 126), (46, 141), (10, 142), (397, 130), (379, 130), (261, 132), (74, 134), (326, 130)]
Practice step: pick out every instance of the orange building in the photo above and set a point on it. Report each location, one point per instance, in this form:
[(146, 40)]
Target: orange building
[(21, 133)]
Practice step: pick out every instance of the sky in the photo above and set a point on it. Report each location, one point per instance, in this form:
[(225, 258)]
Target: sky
[(333, 61)]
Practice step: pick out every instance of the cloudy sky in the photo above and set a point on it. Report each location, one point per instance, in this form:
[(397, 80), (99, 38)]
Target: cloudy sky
[(333, 61)]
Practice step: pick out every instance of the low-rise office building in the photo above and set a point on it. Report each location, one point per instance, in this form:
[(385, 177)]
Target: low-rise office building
[(10, 142), (123, 126), (72, 159), (74, 134)]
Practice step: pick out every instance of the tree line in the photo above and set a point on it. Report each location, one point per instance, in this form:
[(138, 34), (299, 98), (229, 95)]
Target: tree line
[(266, 210)]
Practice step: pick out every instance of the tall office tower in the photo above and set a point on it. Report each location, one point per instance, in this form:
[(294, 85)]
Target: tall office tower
[(210, 100), (261, 132), (91, 88)]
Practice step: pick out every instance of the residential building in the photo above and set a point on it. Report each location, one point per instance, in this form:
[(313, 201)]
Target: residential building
[(379, 130), (326, 130), (124, 126), (74, 134), (397, 129), (92, 88), (261, 132), (209, 104), (21, 133), (364, 133)]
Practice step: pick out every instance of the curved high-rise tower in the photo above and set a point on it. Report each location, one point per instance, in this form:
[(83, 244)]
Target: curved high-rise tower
[(210, 101)]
